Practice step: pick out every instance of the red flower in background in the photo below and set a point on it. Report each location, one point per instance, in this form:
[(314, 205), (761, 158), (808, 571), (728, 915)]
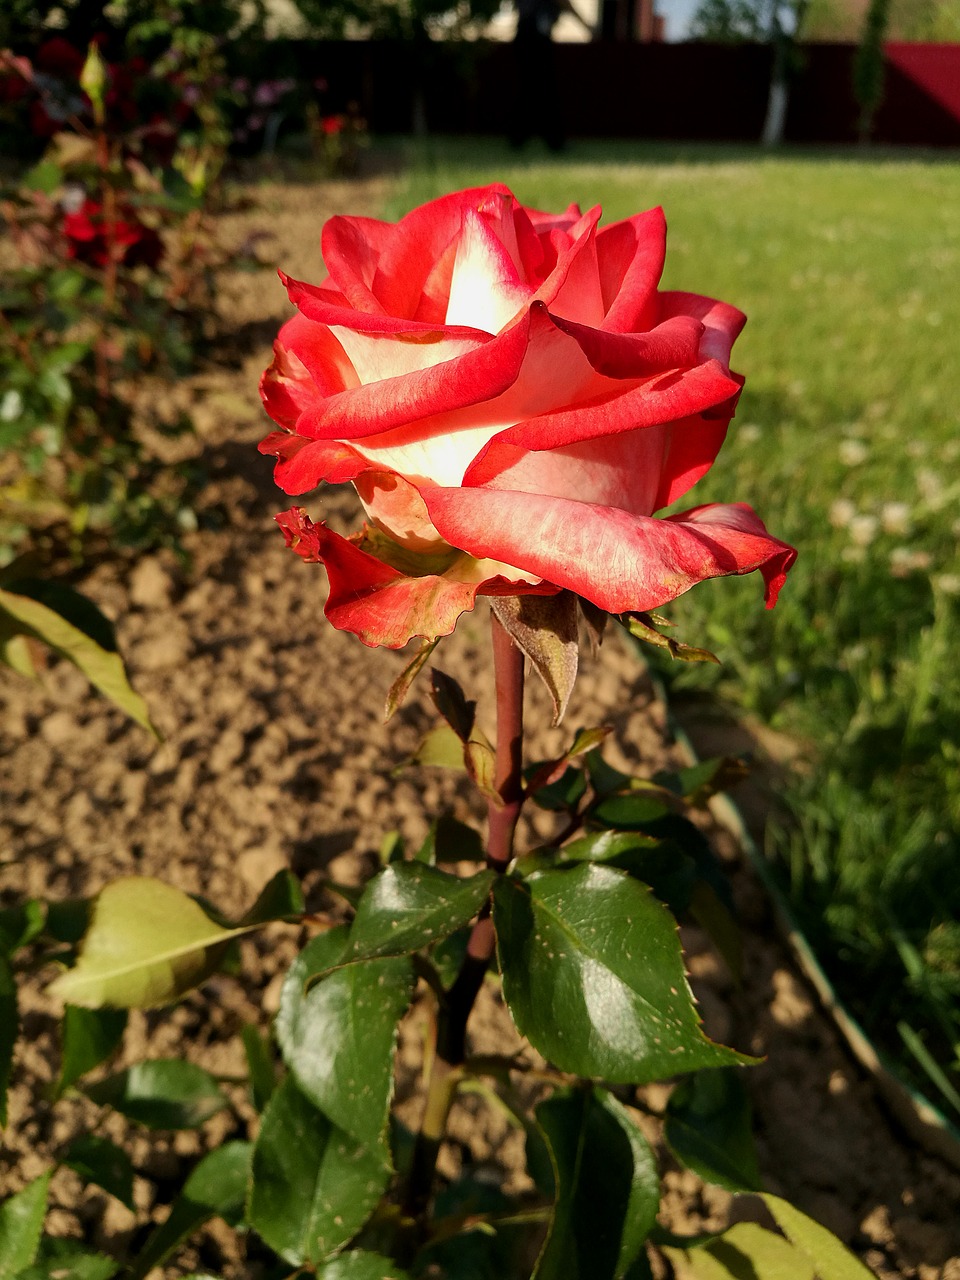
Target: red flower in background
[(90, 236), (513, 397)]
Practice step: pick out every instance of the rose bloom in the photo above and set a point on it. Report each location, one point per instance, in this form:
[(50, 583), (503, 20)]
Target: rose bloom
[(513, 398), (90, 237)]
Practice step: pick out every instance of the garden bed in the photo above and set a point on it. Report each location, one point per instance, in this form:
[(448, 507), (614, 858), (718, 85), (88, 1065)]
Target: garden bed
[(274, 756)]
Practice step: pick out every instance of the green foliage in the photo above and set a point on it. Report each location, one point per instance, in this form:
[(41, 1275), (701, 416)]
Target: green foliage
[(147, 944), (592, 973), (338, 1035), (593, 976), (21, 1221), (101, 1161), (313, 1186), (745, 1252), (114, 282), (88, 1037), (73, 627), (164, 1093), (830, 1259), (394, 19), (608, 1187), (708, 1129), (730, 21), (409, 906), (215, 1188)]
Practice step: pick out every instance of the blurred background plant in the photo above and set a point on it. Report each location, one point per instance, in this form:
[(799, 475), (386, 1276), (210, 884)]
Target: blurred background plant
[(112, 278), (337, 140)]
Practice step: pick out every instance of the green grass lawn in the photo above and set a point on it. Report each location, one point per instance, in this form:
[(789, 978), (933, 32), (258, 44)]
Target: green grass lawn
[(847, 441)]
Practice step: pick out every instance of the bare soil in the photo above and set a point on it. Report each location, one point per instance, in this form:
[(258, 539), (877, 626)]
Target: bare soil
[(275, 755)]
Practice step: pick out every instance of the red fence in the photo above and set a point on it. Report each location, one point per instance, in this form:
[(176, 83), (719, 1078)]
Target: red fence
[(667, 91)]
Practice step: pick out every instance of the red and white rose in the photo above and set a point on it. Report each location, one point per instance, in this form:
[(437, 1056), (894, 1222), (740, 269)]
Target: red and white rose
[(514, 398)]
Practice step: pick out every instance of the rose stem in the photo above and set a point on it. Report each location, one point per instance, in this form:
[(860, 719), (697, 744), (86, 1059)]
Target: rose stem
[(453, 1014)]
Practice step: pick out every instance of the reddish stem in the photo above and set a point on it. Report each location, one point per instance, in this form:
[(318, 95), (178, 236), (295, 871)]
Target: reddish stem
[(508, 775), (455, 1010)]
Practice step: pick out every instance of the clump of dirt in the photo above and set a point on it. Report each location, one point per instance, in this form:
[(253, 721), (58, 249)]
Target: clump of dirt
[(275, 755)]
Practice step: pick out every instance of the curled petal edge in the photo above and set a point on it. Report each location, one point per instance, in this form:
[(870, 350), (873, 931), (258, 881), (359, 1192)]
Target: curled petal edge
[(618, 561), (380, 604)]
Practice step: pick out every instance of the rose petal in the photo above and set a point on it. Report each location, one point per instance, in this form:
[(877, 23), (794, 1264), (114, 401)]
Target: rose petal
[(352, 248), (618, 561), (485, 290), (722, 323), (380, 604), (664, 398), (691, 450), (551, 370), (418, 241), (327, 306), (573, 287), (309, 364), (674, 344), (376, 357), (630, 257), (303, 464)]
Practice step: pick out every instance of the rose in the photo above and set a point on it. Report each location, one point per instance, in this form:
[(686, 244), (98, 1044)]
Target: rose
[(92, 238), (513, 398)]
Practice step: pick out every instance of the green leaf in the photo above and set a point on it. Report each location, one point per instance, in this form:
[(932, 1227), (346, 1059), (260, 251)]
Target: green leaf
[(360, 1265), (698, 782), (313, 1186), (448, 955), (9, 1030), (409, 906), (339, 1036), (89, 1037), (61, 1258), (100, 1161), (260, 1065), (451, 702), (744, 1252), (215, 1188), (640, 626), (658, 863), (441, 749), (147, 944), (164, 1093), (21, 1221), (634, 810), (593, 976), (450, 841), (76, 629), (20, 925), (830, 1259), (45, 176), (15, 652), (549, 771), (471, 1240), (604, 778), (608, 1188), (401, 686), (481, 762), (280, 899), (545, 629), (564, 794), (708, 1129), (69, 919)]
